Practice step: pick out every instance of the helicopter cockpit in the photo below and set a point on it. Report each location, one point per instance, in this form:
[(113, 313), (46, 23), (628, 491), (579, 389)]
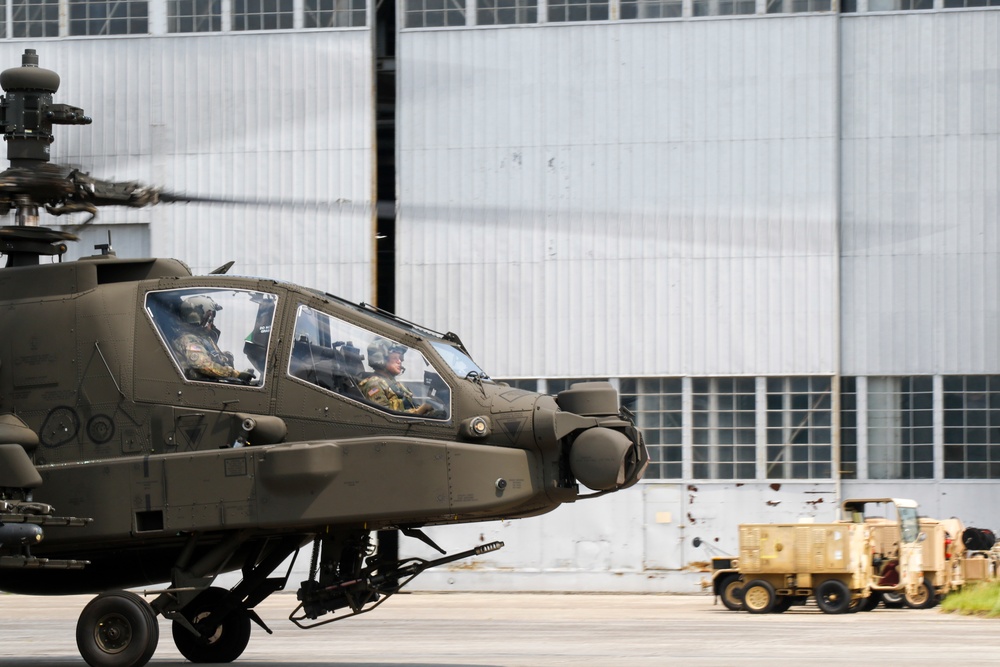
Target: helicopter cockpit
[(331, 354), (215, 335)]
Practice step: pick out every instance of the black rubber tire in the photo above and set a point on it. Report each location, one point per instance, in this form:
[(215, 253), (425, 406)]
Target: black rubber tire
[(731, 592), (989, 539), (833, 597), (893, 599), (117, 629), (871, 601), (782, 604), (978, 539), (759, 597), (226, 644), (926, 596)]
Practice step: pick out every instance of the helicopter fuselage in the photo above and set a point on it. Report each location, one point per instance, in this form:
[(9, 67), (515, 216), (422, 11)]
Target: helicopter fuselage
[(155, 450)]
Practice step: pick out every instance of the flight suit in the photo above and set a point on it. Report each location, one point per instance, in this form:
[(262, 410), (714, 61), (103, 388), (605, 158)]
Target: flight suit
[(202, 357), (386, 391)]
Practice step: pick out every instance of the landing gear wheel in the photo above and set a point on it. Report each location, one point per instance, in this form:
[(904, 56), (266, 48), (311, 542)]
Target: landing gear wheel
[(731, 593), (925, 597), (226, 643), (758, 597), (833, 597), (117, 629)]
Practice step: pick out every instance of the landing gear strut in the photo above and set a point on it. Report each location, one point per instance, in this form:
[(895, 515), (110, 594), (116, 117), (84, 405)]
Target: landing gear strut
[(213, 624)]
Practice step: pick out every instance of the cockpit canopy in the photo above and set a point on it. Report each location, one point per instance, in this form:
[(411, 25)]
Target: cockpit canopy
[(354, 362), (215, 335), (222, 335)]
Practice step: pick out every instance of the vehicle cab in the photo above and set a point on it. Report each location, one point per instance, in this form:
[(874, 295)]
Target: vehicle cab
[(896, 540)]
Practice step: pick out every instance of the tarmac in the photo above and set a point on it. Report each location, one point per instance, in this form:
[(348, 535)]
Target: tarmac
[(527, 629)]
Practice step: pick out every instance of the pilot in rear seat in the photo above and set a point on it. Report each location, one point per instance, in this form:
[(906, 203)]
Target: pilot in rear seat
[(197, 343)]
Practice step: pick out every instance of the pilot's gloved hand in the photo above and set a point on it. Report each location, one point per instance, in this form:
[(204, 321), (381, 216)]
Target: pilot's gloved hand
[(245, 376), (424, 408)]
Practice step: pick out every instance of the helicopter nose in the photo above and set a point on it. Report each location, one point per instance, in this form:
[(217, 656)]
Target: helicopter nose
[(597, 443), (599, 457), (609, 455)]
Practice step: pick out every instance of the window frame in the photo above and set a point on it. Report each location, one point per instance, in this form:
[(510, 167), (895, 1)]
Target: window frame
[(160, 326), (432, 361)]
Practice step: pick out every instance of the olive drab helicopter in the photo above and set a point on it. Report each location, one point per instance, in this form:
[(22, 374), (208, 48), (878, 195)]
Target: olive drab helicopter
[(162, 428)]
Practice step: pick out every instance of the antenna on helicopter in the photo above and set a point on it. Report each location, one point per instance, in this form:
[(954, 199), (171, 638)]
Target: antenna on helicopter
[(105, 248)]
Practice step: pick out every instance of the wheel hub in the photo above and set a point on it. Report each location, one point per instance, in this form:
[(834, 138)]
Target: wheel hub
[(113, 633), (756, 599)]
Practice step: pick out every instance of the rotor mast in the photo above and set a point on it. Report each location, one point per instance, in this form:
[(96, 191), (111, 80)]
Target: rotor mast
[(27, 115)]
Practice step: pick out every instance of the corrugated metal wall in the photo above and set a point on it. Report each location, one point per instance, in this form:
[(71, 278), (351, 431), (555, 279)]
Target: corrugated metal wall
[(921, 125), (662, 198), (623, 199), (284, 117)]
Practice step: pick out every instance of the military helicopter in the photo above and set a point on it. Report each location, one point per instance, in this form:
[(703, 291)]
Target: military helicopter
[(188, 426)]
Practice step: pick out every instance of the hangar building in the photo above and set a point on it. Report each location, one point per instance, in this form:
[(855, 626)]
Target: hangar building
[(772, 224)]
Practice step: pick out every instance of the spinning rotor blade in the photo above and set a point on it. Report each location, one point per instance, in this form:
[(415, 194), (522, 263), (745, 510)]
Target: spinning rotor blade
[(166, 197), (90, 193)]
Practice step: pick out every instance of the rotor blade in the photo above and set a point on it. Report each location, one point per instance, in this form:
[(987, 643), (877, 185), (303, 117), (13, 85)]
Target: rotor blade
[(130, 193), (166, 197)]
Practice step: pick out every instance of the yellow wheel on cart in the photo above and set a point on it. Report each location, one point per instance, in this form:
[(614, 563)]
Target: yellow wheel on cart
[(758, 597), (923, 598)]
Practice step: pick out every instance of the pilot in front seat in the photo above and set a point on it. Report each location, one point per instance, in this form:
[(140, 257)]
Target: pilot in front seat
[(386, 359)]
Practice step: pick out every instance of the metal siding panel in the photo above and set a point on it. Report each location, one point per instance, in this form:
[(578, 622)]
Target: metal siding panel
[(920, 193), (642, 209)]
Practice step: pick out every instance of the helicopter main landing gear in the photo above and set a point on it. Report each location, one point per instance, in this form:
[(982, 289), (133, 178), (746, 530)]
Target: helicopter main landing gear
[(117, 629), (220, 641)]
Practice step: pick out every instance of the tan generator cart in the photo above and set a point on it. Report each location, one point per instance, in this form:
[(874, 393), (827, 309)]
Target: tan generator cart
[(783, 564)]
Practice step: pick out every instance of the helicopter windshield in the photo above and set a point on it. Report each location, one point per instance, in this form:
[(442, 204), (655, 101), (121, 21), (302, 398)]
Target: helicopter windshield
[(331, 354), (215, 335), (459, 361)]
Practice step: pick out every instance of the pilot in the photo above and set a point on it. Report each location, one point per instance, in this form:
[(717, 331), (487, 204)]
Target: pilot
[(386, 359), (198, 342)]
